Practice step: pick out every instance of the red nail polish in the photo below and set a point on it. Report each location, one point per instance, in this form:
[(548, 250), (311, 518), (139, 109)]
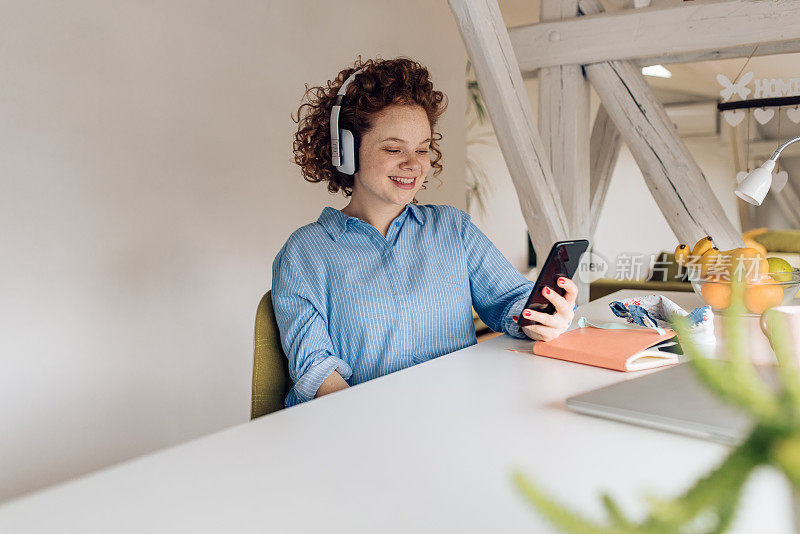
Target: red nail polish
[(561, 281), (526, 313), (547, 291), (515, 318)]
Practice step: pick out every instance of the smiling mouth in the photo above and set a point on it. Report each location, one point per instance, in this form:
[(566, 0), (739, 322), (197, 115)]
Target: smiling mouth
[(402, 180)]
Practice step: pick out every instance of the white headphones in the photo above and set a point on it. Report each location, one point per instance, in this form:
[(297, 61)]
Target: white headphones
[(344, 145)]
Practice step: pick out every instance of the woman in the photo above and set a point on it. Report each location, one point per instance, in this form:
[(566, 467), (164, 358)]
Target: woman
[(384, 283)]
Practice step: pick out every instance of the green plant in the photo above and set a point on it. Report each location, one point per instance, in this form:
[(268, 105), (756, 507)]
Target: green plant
[(477, 181), (710, 504)]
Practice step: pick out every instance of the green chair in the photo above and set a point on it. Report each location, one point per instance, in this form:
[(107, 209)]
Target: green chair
[(271, 380)]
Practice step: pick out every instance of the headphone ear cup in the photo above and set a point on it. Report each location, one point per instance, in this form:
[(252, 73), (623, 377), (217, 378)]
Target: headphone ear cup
[(356, 145), (349, 151)]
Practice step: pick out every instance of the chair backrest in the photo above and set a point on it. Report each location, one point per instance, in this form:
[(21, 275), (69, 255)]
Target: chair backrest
[(271, 380)]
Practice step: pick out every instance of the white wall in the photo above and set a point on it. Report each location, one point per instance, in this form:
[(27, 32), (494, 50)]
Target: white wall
[(147, 184)]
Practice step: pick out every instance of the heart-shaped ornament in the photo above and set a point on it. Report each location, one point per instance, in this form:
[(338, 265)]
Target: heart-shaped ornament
[(779, 180), (740, 176), (734, 117), (793, 114), (763, 115)]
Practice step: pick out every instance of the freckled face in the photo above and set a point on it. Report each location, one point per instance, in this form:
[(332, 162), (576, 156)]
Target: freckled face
[(394, 157)]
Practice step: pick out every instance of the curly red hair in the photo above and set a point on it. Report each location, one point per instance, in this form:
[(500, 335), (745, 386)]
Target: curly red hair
[(381, 83)]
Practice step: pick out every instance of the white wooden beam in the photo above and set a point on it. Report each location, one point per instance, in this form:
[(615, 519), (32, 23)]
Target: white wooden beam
[(764, 49), (486, 40), (605, 144), (564, 127), (691, 31), (671, 173), (564, 110)]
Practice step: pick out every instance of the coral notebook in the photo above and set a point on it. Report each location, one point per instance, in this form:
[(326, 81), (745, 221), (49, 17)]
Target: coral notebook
[(621, 350)]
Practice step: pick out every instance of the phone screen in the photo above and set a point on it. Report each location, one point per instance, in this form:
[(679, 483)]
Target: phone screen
[(563, 260)]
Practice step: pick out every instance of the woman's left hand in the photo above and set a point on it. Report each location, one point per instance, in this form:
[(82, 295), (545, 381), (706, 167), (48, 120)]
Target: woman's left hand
[(551, 326)]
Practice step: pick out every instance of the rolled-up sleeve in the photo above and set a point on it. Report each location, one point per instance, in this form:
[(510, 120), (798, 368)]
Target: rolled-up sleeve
[(303, 327), (499, 291)]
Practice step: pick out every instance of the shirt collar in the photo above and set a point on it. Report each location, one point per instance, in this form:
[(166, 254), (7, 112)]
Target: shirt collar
[(335, 222), (417, 213)]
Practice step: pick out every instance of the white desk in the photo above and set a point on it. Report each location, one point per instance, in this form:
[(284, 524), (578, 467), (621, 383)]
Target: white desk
[(428, 449)]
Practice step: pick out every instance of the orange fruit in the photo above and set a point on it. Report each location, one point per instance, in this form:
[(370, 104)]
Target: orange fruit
[(716, 294), (747, 264), (720, 277), (761, 296)]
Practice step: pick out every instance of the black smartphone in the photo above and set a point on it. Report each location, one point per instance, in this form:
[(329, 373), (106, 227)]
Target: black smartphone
[(563, 260)]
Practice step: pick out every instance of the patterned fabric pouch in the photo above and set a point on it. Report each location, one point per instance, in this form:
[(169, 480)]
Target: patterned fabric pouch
[(655, 311)]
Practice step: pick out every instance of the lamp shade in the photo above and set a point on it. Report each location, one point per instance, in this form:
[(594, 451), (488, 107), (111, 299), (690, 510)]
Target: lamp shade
[(755, 185)]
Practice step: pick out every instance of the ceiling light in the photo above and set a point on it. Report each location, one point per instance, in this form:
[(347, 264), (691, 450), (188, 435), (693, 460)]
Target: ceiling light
[(656, 70)]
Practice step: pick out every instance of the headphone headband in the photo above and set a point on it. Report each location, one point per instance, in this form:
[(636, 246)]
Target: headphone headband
[(336, 149), (347, 82)]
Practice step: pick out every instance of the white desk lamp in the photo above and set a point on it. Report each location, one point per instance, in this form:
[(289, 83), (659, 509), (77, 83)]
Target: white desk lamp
[(754, 187)]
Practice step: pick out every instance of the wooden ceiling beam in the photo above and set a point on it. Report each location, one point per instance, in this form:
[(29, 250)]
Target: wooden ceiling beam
[(486, 40), (605, 144), (765, 49), (675, 180), (564, 121), (693, 31)]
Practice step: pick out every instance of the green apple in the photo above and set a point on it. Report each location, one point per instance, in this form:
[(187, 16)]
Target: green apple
[(780, 269)]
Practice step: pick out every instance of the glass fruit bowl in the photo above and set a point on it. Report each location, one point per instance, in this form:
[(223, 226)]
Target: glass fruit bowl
[(769, 290)]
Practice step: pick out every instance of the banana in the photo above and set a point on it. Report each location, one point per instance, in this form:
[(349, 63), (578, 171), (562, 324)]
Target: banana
[(750, 234), (682, 254), (702, 246)]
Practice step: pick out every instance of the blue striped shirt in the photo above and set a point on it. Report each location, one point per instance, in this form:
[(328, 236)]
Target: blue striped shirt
[(348, 299)]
